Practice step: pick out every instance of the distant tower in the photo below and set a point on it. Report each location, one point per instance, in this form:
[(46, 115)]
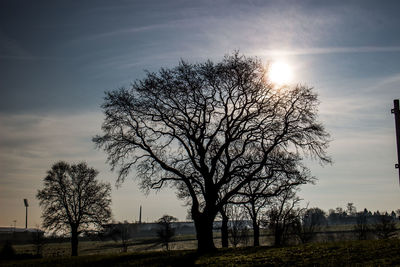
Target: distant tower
[(140, 215)]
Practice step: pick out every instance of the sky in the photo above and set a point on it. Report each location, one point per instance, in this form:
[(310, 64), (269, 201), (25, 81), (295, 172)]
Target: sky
[(57, 58)]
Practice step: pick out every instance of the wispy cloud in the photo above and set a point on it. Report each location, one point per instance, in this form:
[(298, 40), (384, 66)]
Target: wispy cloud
[(328, 50)]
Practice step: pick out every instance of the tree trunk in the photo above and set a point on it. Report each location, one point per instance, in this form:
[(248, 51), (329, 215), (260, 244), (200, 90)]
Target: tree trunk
[(278, 236), (256, 233), (74, 241), (204, 232), (224, 230)]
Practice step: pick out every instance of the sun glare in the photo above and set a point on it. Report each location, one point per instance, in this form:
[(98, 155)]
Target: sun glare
[(280, 73)]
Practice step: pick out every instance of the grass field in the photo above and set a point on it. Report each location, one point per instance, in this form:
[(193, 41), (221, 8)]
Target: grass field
[(347, 253), (182, 242)]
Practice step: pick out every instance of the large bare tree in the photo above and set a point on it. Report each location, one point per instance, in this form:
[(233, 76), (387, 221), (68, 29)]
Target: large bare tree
[(208, 130), (73, 201)]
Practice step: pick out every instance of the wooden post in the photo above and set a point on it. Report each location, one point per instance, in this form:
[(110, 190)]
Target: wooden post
[(396, 113)]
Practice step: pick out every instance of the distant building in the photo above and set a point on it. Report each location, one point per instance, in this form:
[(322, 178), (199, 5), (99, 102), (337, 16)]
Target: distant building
[(19, 235)]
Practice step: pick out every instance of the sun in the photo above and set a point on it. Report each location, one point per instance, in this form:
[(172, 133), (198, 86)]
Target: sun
[(280, 73)]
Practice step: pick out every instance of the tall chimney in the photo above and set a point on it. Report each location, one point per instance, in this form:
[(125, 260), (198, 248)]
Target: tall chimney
[(140, 214), (26, 212)]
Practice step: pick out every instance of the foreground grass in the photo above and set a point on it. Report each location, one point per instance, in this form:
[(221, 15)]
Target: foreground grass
[(349, 253)]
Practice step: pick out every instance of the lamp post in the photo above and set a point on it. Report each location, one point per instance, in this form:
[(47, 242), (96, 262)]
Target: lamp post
[(396, 113), (26, 212)]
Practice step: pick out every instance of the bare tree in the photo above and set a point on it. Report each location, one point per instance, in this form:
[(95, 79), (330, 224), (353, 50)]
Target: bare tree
[(73, 201), (166, 232), (351, 209), (361, 228), (208, 130), (308, 223), (385, 227), (121, 231), (282, 216), (255, 196), (237, 227), (38, 240)]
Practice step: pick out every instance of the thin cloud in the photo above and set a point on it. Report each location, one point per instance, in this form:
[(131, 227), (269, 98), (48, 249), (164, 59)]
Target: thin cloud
[(329, 50)]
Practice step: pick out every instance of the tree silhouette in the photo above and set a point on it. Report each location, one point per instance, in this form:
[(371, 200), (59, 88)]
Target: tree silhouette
[(361, 228), (308, 222), (166, 232), (208, 130), (73, 201), (256, 196), (385, 227), (121, 231), (237, 229), (282, 216)]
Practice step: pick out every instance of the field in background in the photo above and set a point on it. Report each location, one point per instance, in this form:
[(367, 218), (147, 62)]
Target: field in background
[(335, 233), (354, 253)]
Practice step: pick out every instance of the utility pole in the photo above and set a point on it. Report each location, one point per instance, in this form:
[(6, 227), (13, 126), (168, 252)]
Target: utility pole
[(396, 113)]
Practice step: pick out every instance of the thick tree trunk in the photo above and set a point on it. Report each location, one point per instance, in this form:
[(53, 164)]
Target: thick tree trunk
[(256, 233), (224, 230), (204, 232), (278, 236), (74, 241)]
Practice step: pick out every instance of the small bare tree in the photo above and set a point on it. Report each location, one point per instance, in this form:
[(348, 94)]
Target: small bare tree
[(38, 240), (282, 216), (308, 222), (237, 226), (73, 201), (121, 232), (288, 174), (166, 232), (385, 227), (362, 228)]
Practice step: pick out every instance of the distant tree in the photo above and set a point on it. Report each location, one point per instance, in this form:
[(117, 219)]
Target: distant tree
[(377, 213), (38, 240), (351, 209), (308, 223), (121, 232), (337, 216), (238, 231), (288, 175), (362, 228), (282, 216), (166, 232), (385, 227), (393, 214), (203, 128), (73, 201), (398, 214)]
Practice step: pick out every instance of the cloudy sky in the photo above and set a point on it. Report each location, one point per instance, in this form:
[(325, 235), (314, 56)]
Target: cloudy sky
[(58, 57)]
